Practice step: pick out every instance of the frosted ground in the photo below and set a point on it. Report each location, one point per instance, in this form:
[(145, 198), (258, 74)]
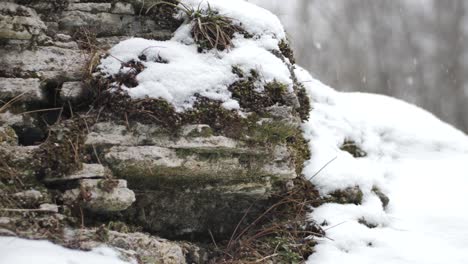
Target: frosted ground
[(415, 159)]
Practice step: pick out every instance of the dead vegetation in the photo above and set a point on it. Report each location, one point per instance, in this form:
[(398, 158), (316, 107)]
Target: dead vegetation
[(281, 234)]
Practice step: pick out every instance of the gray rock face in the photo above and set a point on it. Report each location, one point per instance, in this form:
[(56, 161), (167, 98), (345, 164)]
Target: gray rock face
[(139, 246), (212, 180), (47, 50), (88, 171), (110, 24), (18, 22), (28, 89), (45, 63)]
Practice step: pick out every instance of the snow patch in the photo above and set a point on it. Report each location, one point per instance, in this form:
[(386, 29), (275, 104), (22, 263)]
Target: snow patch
[(23, 251), (415, 159)]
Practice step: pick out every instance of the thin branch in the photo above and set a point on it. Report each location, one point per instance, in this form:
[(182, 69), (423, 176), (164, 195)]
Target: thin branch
[(41, 110), (324, 166)]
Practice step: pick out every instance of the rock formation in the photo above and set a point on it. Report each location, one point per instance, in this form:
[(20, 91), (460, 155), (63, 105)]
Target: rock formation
[(74, 153)]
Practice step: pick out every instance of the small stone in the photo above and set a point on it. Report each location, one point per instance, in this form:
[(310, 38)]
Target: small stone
[(63, 37), (53, 208), (6, 232), (352, 148), (5, 220), (96, 195), (71, 91), (123, 8), (364, 221), (29, 197), (383, 198), (290, 185), (352, 195)]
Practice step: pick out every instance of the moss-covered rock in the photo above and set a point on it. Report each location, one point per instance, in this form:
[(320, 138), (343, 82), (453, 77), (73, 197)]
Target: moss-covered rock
[(352, 195), (352, 148), (383, 198), (195, 172)]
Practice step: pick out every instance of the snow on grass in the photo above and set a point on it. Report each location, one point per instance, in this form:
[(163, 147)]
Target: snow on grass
[(22, 251), (254, 19), (176, 71), (415, 159)]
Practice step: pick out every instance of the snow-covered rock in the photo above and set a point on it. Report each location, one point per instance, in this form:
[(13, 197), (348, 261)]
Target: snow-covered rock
[(203, 135), (200, 134)]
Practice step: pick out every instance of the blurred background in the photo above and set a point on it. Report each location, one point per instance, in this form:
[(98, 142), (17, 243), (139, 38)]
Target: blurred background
[(414, 50)]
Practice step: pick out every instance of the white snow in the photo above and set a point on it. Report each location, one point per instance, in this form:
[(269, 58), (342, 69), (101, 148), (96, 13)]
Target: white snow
[(22, 251), (418, 161), (208, 74)]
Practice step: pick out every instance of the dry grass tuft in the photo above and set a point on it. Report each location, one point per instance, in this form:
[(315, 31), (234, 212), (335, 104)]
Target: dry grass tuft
[(209, 28), (86, 38)]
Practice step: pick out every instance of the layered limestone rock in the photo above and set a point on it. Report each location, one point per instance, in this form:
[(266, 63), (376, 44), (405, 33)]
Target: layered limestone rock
[(206, 181), (74, 153)]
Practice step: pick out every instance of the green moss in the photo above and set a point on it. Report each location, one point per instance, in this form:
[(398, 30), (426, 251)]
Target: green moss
[(214, 154), (286, 50), (211, 113), (270, 132), (250, 98), (118, 226), (304, 101), (300, 151), (17, 171), (201, 132), (120, 106), (152, 177), (285, 250), (102, 234)]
